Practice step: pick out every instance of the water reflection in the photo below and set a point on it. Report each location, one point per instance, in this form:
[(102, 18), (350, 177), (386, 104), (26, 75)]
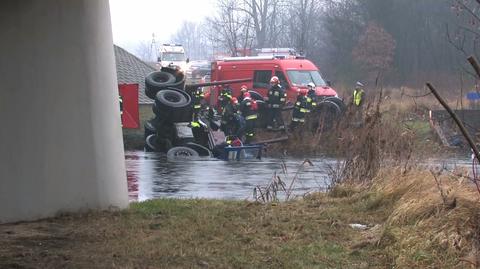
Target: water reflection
[(151, 176)]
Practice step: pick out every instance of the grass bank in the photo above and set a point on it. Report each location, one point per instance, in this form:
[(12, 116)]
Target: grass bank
[(408, 225)]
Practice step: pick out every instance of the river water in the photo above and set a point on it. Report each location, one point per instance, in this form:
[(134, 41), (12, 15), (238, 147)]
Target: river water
[(151, 175)]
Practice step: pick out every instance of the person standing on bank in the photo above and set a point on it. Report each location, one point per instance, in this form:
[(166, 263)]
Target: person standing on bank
[(358, 100), (358, 95), (276, 99)]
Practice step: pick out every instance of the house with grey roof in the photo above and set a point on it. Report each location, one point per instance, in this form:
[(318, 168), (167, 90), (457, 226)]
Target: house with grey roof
[(130, 69)]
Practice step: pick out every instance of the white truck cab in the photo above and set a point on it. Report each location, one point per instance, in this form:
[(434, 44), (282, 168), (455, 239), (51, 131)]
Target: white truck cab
[(172, 54)]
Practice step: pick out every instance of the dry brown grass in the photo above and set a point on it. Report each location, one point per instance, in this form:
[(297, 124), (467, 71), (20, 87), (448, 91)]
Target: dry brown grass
[(409, 226), (429, 230)]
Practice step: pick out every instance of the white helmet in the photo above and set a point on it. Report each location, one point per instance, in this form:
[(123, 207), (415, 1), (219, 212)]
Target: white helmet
[(311, 85), (359, 84)]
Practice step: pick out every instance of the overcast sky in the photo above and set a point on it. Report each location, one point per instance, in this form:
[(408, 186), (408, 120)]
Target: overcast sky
[(134, 21)]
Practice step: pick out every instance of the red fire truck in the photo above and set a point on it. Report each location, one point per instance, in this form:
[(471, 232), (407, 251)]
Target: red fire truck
[(293, 71)]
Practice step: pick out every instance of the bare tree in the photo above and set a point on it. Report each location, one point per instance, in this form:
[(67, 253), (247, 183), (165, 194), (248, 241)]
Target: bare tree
[(145, 51), (265, 16), (192, 36), (302, 20), (231, 28)]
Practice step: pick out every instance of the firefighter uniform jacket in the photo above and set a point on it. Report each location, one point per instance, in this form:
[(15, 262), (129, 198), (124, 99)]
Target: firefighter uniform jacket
[(311, 100), (248, 108), (276, 97), (198, 96), (300, 109)]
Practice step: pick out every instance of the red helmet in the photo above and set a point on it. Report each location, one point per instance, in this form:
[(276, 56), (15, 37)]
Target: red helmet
[(274, 80), (234, 101), (246, 95), (244, 88), (303, 92)]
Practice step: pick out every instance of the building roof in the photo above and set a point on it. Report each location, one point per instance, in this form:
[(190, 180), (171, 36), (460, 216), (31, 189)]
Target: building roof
[(131, 69)]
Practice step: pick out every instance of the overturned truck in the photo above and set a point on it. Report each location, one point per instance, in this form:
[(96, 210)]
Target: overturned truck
[(169, 131)]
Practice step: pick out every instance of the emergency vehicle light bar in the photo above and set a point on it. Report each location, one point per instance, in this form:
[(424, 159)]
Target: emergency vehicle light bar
[(248, 58)]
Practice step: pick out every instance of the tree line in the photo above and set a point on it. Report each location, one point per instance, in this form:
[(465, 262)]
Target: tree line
[(405, 42)]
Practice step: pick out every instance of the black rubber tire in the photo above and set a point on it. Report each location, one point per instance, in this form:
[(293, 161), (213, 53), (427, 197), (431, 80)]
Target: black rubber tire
[(151, 143), (328, 114), (202, 151), (182, 153), (180, 77), (256, 96), (158, 113), (169, 99), (173, 105), (157, 81), (149, 128), (337, 101)]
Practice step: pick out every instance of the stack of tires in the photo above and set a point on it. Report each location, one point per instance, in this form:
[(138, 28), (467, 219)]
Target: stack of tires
[(172, 105), (173, 112)]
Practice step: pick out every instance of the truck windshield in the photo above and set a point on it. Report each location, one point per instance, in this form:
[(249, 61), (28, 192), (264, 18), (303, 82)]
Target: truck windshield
[(302, 78), (177, 57)]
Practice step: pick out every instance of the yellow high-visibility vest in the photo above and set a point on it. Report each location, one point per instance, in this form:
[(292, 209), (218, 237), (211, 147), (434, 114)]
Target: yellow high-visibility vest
[(357, 96)]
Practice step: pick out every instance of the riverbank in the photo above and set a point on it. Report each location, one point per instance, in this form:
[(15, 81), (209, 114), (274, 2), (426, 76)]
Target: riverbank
[(407, 225)]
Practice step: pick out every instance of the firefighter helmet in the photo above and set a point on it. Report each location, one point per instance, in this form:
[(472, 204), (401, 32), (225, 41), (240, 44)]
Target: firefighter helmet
[(359, 85), (311, 85), (244, 88), (274, 80)]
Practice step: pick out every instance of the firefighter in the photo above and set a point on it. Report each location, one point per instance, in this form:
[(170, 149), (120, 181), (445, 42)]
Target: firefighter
[(237, 122), (228, 116), (225, 96), (243, 90), (248, 109), (198, 101), (358, 95), (276, 99), (311, 97), (300, 109)]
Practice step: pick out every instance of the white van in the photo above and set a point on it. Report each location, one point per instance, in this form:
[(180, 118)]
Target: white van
[(172, 54)]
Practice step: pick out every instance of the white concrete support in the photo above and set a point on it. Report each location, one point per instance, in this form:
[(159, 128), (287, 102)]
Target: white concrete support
[(60, 136)]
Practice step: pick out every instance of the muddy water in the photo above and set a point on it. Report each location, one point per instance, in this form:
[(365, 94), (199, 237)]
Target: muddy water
[(152, 176)]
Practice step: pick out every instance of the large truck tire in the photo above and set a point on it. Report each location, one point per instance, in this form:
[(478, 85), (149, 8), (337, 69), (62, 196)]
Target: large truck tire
[(173, 105), (149, 128), (182, 153), (156, 81), (169, 99), (179, 76), (151, 143), (202, 151), (325, 116), (339, 102)]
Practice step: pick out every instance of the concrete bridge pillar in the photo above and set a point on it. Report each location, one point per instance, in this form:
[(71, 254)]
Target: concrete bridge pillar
[(60, 135)]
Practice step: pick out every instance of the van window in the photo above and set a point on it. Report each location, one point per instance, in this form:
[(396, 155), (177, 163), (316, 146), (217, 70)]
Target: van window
[(303, 77), (282, 78), (261, 78)]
